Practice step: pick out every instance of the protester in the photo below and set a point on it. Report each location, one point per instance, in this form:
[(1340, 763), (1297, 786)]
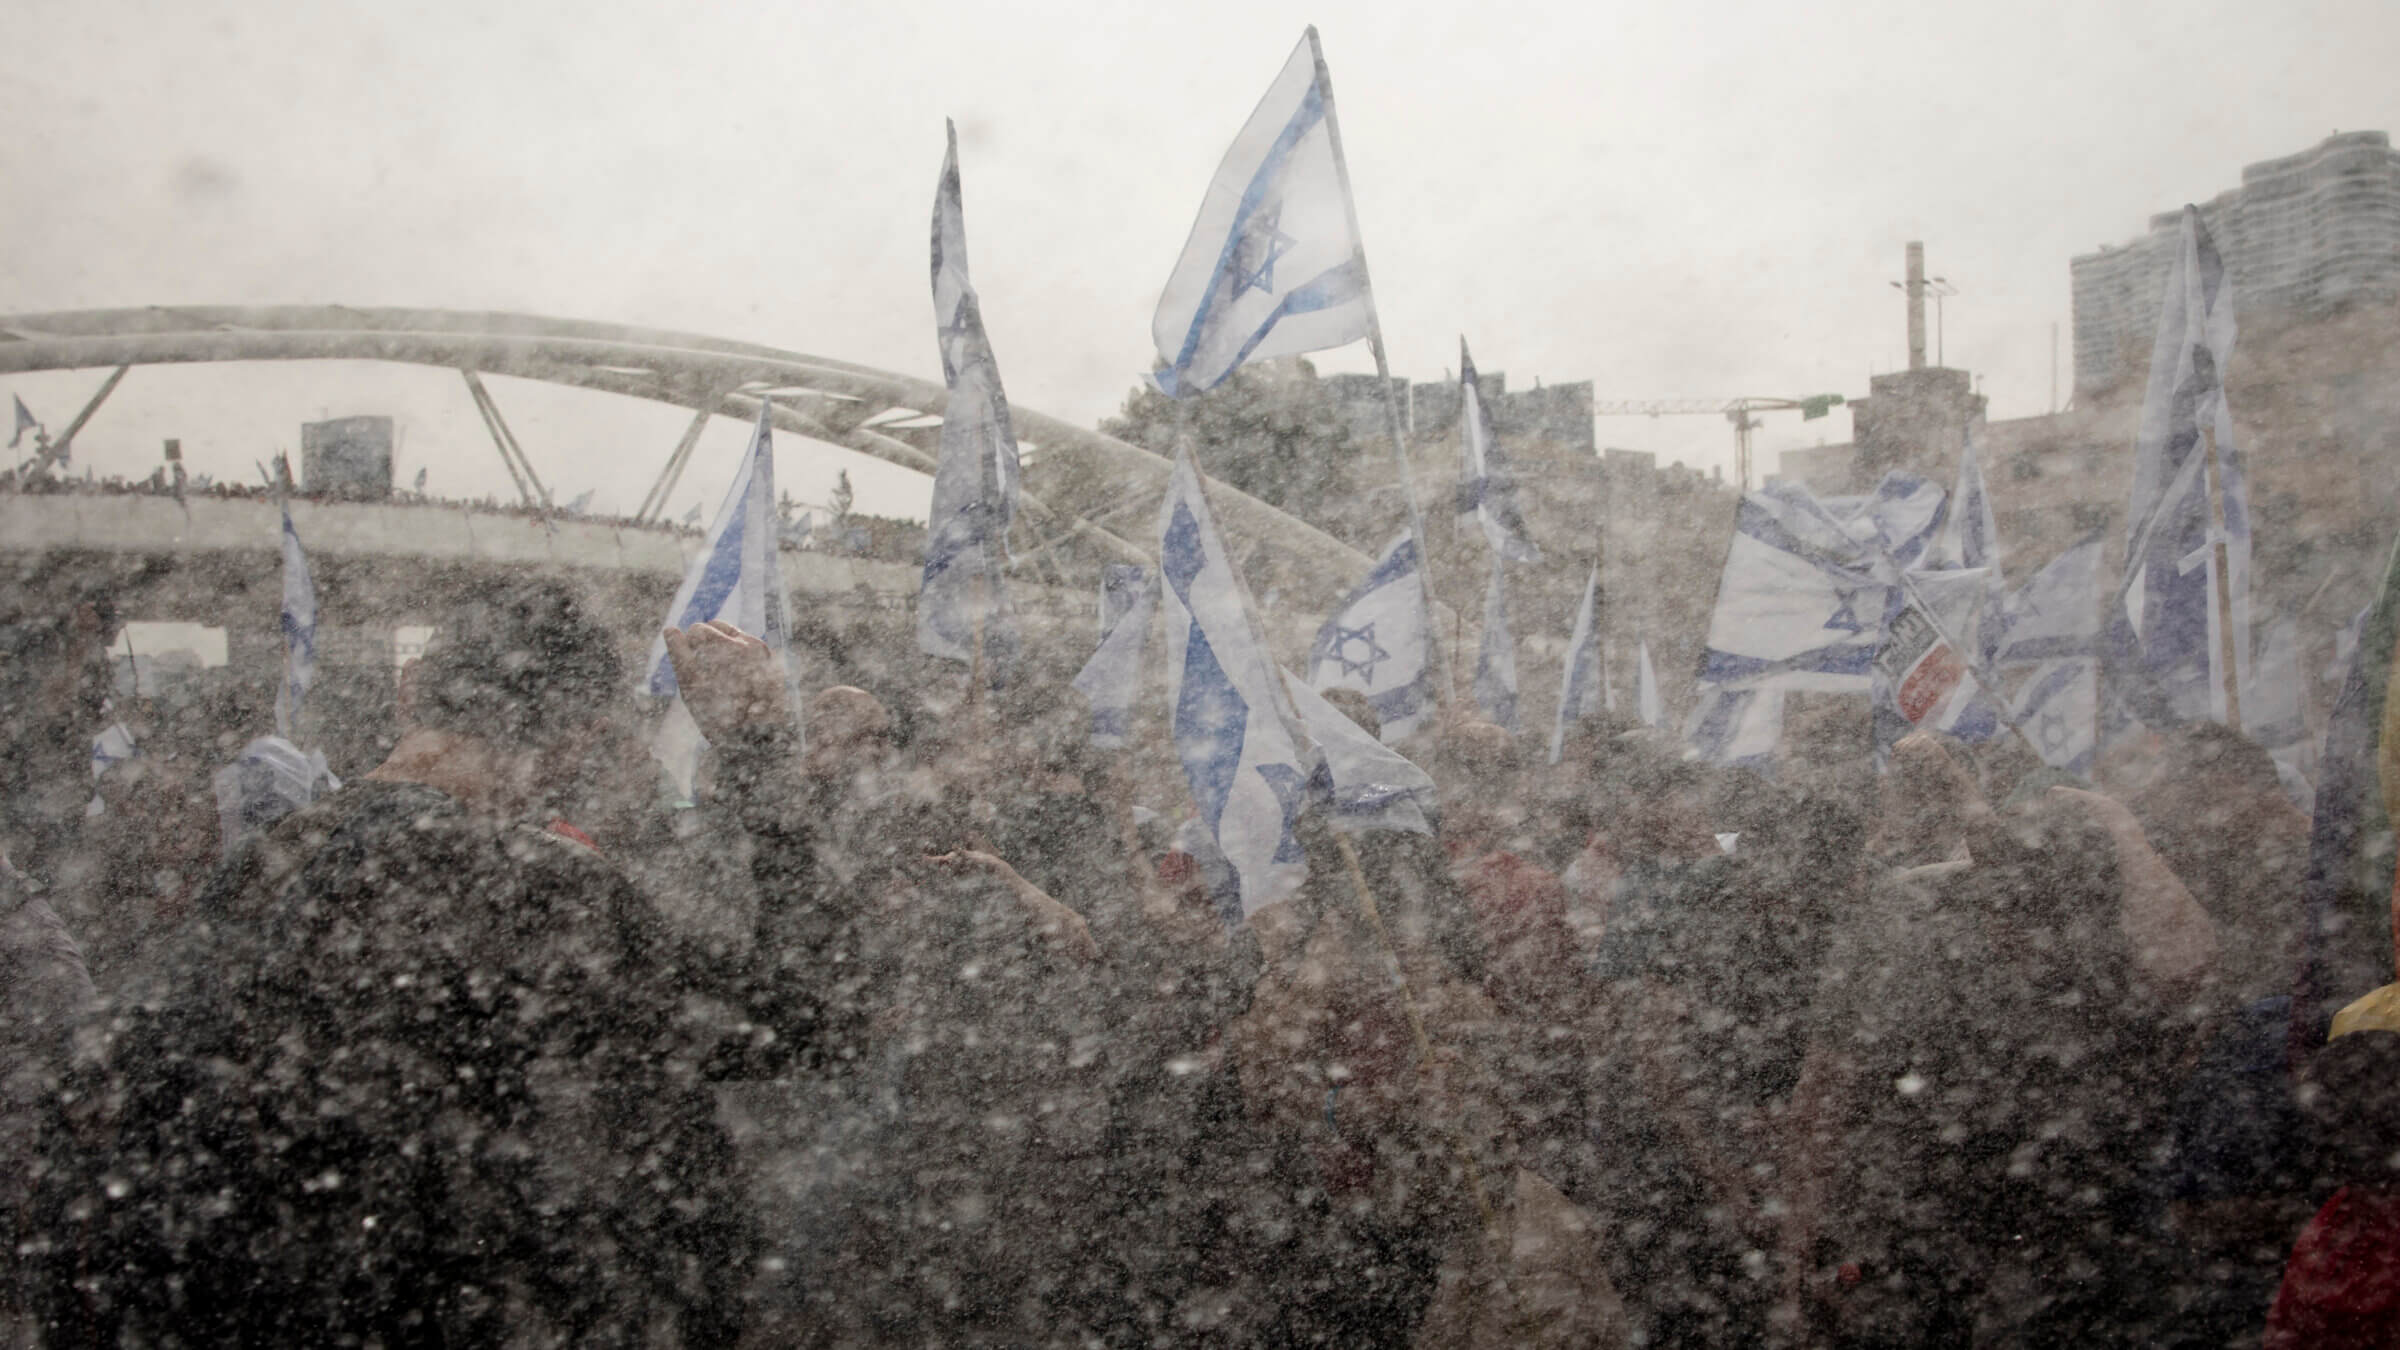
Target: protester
[(427, 1069)]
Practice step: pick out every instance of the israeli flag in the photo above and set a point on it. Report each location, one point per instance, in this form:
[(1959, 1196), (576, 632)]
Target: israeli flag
[(2058, 709), (1899, 521), (1800, 605), (2055, 614), (1925, 670), (1736, 726), (1486, 488), (975, 480), (1111, 680), (1377, 643), (1273, 265), (1367, 785), (299, 623), (736, 576), (112, 746), (2275, 711), (1581, 678), (2170, 601), (1233, 722), (1651, 708), (1496, 661), (25, 421), (1969, 535)]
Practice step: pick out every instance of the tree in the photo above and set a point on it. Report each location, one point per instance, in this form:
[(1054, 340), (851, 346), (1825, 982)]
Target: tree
[(1273, 430), (842, 497)]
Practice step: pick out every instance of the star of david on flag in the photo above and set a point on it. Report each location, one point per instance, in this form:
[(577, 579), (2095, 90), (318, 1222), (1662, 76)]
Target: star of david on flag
[(1376, 642), (1273, 265)]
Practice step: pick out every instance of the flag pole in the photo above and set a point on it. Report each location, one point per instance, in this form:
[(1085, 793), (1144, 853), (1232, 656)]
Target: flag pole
[(2221, 573), (1383, 369)]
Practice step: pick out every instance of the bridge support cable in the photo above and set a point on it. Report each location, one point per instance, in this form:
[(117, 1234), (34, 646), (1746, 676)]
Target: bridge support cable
[(57, 449), (654, 502), (511, 453)]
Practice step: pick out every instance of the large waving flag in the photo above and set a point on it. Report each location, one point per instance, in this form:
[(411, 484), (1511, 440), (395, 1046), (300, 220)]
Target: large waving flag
[(1496, 659), (1112, 678), (2171, 605), (975, 480), (1233, 720), (1580, 679), (1800, 605), (736, 575), (299, 622), (1486, 487), (1273, 266), (1377, 643)]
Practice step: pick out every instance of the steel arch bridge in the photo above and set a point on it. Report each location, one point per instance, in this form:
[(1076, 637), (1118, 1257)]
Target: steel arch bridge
[(838, 402)]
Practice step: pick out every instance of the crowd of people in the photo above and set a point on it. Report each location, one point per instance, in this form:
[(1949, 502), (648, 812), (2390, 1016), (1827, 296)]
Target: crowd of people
[(931, 1029)]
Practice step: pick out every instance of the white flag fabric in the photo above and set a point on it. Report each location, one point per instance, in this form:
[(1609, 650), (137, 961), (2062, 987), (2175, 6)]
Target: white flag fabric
[(2055, 614), (1800, 605), (582, 502), (269, 780), (1580, 677), (1898, 522), (736, 576), (1273, 265), (1925, 670), (2058, 708), (1234, 724), (1377, 643), (1648, 705), (1496, 660), (2170, 606), (1736, 726), (114, 745), (25, 422), (299, 622), (1370, 785), (975, 479), (1111, 680), (1970, 534), (1486, 488)]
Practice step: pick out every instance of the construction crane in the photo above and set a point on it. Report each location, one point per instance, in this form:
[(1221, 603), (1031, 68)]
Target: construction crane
[(1734, 410)]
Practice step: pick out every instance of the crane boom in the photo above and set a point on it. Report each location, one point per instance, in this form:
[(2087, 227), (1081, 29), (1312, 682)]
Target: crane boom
[(1734, 410)]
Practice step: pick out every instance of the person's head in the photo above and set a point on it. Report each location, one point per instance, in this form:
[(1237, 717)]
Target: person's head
[(524, 670), (848, 729)]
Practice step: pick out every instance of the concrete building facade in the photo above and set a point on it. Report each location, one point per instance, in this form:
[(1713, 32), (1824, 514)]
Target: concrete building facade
[(2302, 236)]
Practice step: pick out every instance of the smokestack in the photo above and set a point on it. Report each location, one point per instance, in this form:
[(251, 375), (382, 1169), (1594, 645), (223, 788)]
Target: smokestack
[(1916, 305)]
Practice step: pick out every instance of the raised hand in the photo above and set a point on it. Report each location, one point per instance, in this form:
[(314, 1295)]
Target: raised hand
[(729, 679)]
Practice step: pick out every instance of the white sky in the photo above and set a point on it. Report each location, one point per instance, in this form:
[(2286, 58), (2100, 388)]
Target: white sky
[(1666, 197)]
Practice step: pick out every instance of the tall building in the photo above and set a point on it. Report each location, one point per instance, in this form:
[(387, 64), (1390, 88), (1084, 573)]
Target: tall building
[(2302, 235)]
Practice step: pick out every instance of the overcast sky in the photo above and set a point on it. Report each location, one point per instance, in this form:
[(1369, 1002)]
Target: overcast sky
[(1664, 197)]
